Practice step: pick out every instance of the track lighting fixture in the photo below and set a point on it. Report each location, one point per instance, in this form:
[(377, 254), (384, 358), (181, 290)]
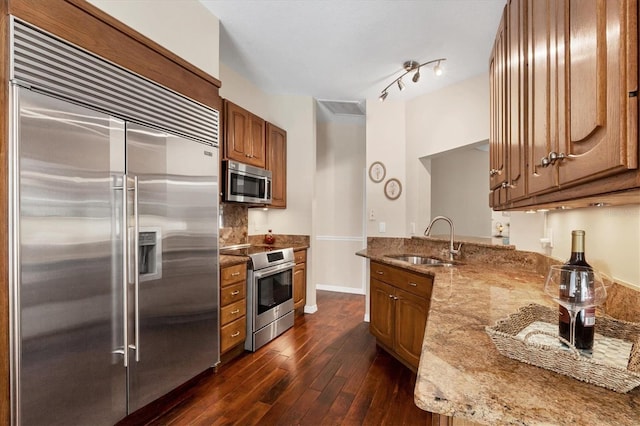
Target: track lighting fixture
[(410, 66)]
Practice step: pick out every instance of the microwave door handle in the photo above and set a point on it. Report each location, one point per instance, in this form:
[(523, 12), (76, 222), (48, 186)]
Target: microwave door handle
[(267, 185)]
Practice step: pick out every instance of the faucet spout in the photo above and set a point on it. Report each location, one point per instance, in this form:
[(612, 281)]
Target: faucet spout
[(427, 232)]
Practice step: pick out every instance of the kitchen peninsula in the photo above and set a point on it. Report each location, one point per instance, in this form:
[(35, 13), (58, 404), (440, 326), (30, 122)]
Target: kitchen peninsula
[(461, 373)]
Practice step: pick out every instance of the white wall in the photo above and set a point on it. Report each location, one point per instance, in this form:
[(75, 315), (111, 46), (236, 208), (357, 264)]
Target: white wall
[(386, 142), (436, 122), (612, 243), (339, 211), (459, 194), (185, 27)]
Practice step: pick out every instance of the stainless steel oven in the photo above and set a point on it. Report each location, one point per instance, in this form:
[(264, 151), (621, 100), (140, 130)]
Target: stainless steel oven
[(269, 296), (246, 184)]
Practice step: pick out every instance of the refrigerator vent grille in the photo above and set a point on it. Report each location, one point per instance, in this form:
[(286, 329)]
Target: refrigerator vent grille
[(51, 65)]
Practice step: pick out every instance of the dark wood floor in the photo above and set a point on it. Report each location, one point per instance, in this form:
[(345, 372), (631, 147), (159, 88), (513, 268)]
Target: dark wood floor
[(327, 370)]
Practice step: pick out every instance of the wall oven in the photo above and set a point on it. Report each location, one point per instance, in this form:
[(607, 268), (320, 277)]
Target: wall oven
[(269, 296), (246, 184)]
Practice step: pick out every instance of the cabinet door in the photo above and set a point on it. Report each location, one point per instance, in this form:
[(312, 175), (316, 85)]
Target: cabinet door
[(545, 103), (497, 148), (382, 312), (255, 144), (277, 163), (410, 322), (299, 285), (236, 125), (516, 73), (599, 142)]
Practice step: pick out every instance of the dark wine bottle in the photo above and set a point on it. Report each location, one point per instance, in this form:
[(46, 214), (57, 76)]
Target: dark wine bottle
[(586, 318)]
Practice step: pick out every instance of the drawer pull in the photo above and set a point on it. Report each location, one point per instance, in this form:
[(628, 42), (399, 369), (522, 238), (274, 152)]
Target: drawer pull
[(237, 311), (236, 334), (413, 284), (379, 272), (391, 296), (235, 293), (235, 274)]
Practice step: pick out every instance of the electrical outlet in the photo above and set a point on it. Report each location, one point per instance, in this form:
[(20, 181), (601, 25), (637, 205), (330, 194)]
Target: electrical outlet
[(372, 215), (382, 227)]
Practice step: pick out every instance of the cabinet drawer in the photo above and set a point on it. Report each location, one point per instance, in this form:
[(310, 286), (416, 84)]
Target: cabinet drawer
[(233, 334), (300, 256), (233, 274), (417, 284), (232, 293), (232, 312)]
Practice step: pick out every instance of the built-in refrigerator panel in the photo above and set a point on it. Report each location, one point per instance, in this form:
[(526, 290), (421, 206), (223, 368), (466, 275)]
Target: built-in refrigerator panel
[(69, 295), (174, 181)]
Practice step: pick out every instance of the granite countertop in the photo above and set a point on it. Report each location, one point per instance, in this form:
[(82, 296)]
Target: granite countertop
[(230, 260), (461, 373)]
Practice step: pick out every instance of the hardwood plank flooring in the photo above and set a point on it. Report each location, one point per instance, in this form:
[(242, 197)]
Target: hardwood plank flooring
[(327, 370)]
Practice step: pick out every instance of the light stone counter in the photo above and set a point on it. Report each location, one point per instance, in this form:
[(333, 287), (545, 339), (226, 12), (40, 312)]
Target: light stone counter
[(461, 373)]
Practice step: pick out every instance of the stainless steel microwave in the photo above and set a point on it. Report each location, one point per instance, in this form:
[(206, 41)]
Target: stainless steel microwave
[(246, 184)]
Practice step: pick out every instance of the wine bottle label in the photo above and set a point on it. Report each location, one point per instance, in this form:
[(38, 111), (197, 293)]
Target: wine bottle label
[(589, 317)]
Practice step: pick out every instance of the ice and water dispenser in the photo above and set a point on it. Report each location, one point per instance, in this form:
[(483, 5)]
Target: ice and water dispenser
[(149, 254)]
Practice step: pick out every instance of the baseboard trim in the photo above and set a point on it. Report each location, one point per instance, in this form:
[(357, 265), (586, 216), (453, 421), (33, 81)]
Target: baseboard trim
[(310, 309), (340, 289)]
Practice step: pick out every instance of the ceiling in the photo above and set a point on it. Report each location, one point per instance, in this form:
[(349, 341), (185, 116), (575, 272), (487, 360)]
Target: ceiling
[(349, 50)]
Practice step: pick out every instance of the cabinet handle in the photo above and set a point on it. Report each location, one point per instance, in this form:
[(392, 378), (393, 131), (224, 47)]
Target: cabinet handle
[(237, 311), (493, 172), (506, 185), (235, 274), (379, 272), (236, 334), (395, 297), (413, 284), (235, 293), (391, 296)]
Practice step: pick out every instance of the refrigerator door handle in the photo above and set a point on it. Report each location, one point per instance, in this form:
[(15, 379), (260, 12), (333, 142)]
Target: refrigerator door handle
[(136, 270), (125, 271)]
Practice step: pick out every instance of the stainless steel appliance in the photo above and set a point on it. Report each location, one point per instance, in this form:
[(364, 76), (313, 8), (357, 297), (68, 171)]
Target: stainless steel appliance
[(269, 296), (246, 184), (113, 239)]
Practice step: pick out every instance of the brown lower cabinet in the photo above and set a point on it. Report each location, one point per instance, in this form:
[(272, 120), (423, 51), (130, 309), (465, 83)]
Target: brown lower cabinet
[(233, 308), (398, 311), (300, 280)]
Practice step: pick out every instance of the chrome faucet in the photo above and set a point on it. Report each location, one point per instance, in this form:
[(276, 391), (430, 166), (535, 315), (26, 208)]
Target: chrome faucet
[(427, 233)]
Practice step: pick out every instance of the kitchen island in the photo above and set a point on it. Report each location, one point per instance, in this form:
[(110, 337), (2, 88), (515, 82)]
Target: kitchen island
[(461, 373)]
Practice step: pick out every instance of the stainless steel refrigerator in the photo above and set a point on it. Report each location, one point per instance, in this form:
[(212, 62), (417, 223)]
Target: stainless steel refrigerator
[(114, 242)]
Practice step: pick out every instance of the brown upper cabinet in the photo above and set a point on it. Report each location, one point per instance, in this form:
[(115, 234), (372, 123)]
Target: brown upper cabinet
[(277, 164), (565, 99), (244, 136)]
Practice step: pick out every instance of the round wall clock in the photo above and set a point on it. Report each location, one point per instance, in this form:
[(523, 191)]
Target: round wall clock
[(377, 171), (392, 189)]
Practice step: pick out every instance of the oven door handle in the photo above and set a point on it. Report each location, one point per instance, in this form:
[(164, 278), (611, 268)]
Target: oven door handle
[(273, 270)]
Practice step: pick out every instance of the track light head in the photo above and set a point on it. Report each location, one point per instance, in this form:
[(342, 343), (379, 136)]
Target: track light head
[(416, 76), (437, 70), (383, 96), (400, 84)]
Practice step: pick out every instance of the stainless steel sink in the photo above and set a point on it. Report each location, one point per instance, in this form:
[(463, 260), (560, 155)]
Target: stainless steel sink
[(422, 260)]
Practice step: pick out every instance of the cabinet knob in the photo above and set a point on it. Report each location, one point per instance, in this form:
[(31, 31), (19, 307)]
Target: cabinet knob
[(235, 293), (236, 334), (545, 162), (395, 297), (391, 296), (379, 272), (493, 172)]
